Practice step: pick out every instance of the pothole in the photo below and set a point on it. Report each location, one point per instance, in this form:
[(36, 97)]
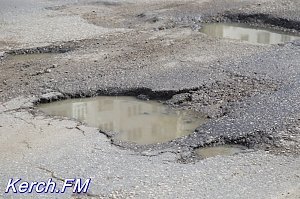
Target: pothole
[(129, 119), (247, 33), (224, 150), (29, 57)]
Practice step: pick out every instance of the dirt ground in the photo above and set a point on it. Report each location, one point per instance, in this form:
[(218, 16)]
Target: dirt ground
[(52, 50)]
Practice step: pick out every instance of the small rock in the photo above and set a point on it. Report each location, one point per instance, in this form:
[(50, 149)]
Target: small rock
[(54, 66), (180, 98), (38, 73), (196, 27), (2, 54), (141, 15), (296, 42), (143, 97), (26, 66), (48, 70), (51, 96)]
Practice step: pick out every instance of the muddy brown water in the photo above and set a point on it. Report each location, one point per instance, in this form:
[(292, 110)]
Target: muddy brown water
[(134, 120), (30, 57), (224, 150), (244, 32)]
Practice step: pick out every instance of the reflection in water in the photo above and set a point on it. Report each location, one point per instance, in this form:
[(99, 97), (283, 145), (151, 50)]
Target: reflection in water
[(223, 150), (247, 33), (142, 122)]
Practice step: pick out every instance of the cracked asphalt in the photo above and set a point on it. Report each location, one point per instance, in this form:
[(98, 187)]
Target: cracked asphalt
[(52, 50)]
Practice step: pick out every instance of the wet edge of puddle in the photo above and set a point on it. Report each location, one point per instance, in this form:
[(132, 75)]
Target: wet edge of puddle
[(136, 121), (29, 57), (220, 150)]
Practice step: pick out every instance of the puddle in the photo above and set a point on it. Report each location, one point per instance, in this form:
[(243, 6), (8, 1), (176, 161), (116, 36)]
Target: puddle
[(224, 150), (30, 57), (247, 33), (141, 122)]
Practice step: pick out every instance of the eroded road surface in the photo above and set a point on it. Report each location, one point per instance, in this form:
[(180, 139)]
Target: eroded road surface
[(245, 82)]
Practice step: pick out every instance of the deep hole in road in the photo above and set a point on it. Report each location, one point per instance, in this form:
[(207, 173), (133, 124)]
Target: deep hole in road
[(247, 33), (222, 150), (128, 118), (30, 57)]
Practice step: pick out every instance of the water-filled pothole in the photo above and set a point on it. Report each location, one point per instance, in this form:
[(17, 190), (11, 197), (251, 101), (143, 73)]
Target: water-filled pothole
[(29, 57), (134, 120), (223, 150), (247, 33)]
